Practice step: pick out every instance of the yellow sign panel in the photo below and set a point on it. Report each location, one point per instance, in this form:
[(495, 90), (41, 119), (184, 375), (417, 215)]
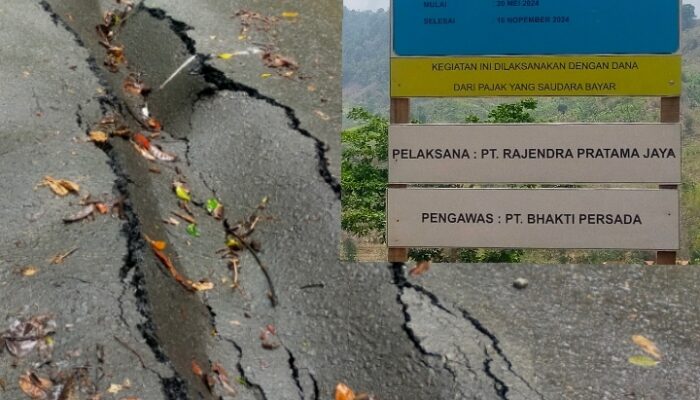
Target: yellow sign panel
[(536, 76)]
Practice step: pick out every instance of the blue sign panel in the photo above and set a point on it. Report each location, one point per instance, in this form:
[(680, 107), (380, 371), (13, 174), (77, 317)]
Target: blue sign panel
[(522, 27)]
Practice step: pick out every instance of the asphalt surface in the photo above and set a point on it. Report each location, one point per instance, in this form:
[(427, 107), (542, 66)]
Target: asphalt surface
[(458, 332)]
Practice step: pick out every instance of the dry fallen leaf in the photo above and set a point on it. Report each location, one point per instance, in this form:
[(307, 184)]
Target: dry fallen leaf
[(322, 115), (29, 271), (60, 186), (155, 244), (343, 392), (25, 335), (203, 285), (420, 268), (168, 264), (196, 369), (102, 208), (265, 75), (60, 258), (184, 217), (225, 56), (290, 14), (647, 345), (171, 221), (161, 155), (115, 388), (144, 153), (153, 125), (98, 137), (81, 214), (222, 378), (274, 60), (35, 386)]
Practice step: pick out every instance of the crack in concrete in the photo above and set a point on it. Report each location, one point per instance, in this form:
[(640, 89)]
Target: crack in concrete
[(241, 371), (500, 387), (317, 391), (496, 344), (402, 283), (221, 82), (79, 116), (295, 372), (174, 388)]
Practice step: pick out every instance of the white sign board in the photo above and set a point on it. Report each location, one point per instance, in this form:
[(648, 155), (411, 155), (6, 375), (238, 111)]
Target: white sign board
[(535, 153), (535, 218)]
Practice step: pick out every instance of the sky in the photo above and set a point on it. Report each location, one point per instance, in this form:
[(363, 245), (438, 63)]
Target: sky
[(375, 4)]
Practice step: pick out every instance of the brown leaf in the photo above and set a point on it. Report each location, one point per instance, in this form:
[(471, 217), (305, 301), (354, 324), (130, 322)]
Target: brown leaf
[(322, 115), (155, 244), (60, 258), (133, 85), (161, 155), (171, 221), (196, 369), (153, 125), (35, 386), (122, 131), (102, 208), (343, 392), (184, 217), (273, 60), (25, 335), (222, 377), (98, 137), (60, 186), (647, 345), (203, 285), (179, 278), (82, 214), (144, 153), (420, 268), (29, 271), (268, 338)]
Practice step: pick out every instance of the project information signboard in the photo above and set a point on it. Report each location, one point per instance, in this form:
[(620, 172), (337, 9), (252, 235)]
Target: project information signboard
[(539, 218), (518, 27), (536, 76), (535, 153)]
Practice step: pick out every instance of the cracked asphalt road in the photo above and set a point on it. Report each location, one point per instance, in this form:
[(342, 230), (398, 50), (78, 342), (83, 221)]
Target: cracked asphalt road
[(459, 332)]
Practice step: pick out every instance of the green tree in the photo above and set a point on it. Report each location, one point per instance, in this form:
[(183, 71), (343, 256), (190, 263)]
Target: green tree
[(364, 177), (364, 173)]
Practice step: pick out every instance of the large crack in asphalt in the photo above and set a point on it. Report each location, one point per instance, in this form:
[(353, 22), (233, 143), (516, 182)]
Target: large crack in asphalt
[(135, 282), (485, 339), (131, 275), (221, 82), (259, 391), (496, 344)]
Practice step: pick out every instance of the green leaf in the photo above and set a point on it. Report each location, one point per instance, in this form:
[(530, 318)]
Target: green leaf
[(212, 204), (643, 361), (193, 230), (182, 193)]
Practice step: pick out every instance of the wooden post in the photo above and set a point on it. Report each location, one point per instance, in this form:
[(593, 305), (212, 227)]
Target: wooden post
[(670, 112), (399, 113)]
